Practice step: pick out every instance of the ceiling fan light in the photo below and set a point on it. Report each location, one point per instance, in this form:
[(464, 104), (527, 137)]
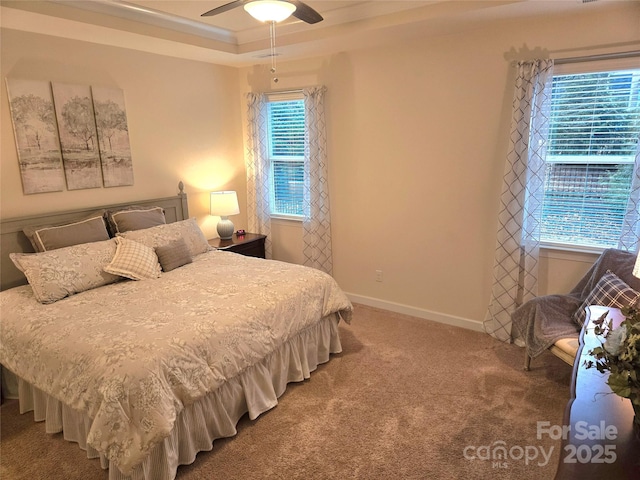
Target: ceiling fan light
[(270, 10)]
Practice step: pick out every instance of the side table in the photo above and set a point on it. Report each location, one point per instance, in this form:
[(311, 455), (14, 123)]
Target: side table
[(249, 244), (600, 441)]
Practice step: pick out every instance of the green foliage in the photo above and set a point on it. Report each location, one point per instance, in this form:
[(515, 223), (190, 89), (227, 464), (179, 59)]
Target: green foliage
[(593, 115), (618, 354), (594, 127)]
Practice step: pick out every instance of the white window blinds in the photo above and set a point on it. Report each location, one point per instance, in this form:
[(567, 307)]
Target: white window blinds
[(593, 134), (286, 153)]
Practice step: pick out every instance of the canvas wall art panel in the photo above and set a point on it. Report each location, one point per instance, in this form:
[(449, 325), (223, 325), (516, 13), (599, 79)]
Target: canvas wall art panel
[(113, 136), (34, 126), (78, 135)]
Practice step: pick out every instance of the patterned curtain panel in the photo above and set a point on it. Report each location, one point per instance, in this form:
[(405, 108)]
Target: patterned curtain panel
[(631, 226), (258, 166), (515, 268), (317, 216)]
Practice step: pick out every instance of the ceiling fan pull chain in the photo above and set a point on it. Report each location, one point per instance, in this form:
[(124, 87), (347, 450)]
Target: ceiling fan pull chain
[(272, 34)]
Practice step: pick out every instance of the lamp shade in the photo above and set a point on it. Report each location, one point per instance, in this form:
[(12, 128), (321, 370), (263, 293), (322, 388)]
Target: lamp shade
[(270, 10), (224, 204)]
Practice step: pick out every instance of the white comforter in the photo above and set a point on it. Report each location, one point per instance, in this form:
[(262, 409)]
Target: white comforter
[(131, 355)]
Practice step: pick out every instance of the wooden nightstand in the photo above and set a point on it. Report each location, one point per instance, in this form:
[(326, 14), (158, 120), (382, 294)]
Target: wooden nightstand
[(249, 244)]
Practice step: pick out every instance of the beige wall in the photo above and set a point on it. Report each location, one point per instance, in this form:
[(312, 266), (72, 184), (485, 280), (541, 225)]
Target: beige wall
[(417, 137), (183, 116)]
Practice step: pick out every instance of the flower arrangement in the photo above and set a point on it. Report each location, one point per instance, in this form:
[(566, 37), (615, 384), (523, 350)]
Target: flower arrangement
[(618, 355)]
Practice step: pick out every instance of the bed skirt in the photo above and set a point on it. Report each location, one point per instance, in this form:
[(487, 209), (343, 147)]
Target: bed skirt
[(254, 391)]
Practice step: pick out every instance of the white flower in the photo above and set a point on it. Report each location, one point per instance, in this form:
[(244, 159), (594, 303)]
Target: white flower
[(615, 339)]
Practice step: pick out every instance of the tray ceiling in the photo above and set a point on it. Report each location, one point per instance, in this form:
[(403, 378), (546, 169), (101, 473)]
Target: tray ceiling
[(175, 27)]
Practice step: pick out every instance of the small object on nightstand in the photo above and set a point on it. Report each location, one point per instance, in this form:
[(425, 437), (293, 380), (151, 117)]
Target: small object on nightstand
[(240, 233)]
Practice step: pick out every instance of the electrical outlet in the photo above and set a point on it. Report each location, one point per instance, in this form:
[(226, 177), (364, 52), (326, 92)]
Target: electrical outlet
[(378, 275)]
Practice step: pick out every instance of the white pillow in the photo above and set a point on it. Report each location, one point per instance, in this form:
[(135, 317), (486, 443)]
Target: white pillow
[(134, 260), (162, 235), (59, 273)]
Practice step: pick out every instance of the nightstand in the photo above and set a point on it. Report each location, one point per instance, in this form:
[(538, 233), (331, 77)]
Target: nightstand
[(249, 244)]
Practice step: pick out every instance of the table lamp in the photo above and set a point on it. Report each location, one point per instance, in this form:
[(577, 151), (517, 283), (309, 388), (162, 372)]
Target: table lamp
[(224, 204)]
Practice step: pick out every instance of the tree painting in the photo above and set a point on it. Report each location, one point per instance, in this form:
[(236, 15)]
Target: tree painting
[(34, 125), (78, 136), (113, 136)]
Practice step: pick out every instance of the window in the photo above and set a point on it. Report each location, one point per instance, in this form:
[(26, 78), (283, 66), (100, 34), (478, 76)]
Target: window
[(593, 135), (286, 144)]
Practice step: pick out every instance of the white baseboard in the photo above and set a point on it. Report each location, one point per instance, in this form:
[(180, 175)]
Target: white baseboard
[(417, 312)]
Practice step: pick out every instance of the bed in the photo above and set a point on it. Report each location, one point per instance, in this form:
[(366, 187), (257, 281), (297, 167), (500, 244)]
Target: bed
[(145, 374)]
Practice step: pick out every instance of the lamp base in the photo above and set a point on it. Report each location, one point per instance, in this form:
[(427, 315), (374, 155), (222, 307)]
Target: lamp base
[(225, 228)]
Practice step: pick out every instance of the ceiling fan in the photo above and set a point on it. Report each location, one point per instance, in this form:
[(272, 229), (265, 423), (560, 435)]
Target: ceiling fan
[(271, 10)]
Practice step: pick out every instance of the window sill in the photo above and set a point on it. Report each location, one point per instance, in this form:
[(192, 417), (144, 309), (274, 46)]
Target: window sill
[(570, 252), (565, 247)]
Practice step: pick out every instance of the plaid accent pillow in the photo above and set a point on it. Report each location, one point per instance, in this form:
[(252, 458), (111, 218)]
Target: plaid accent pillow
[(134, 260), (610, 291)]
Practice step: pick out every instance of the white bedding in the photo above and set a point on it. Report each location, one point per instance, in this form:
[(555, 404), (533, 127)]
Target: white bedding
[(131, 356)]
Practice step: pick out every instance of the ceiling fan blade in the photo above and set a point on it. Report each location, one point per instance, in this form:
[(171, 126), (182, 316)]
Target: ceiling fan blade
[(305, 13), (223, 8)]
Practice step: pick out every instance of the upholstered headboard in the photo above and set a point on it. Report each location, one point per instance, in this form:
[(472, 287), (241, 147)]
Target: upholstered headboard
[(12, 239)]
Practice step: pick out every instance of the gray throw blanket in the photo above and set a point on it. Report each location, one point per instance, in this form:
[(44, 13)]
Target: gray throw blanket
[(544, 320)]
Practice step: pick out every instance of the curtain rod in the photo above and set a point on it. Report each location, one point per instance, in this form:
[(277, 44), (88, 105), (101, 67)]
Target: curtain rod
[(605, 56)]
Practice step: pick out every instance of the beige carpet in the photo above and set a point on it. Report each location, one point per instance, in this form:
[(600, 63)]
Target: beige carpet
[(403, 401)]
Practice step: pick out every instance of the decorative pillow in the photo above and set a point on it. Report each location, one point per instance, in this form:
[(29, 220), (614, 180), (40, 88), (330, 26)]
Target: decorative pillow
[(173, 255), (610, 291), (134, 218), (134, 260), (161, 235), (51, 237), (62, 272)]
